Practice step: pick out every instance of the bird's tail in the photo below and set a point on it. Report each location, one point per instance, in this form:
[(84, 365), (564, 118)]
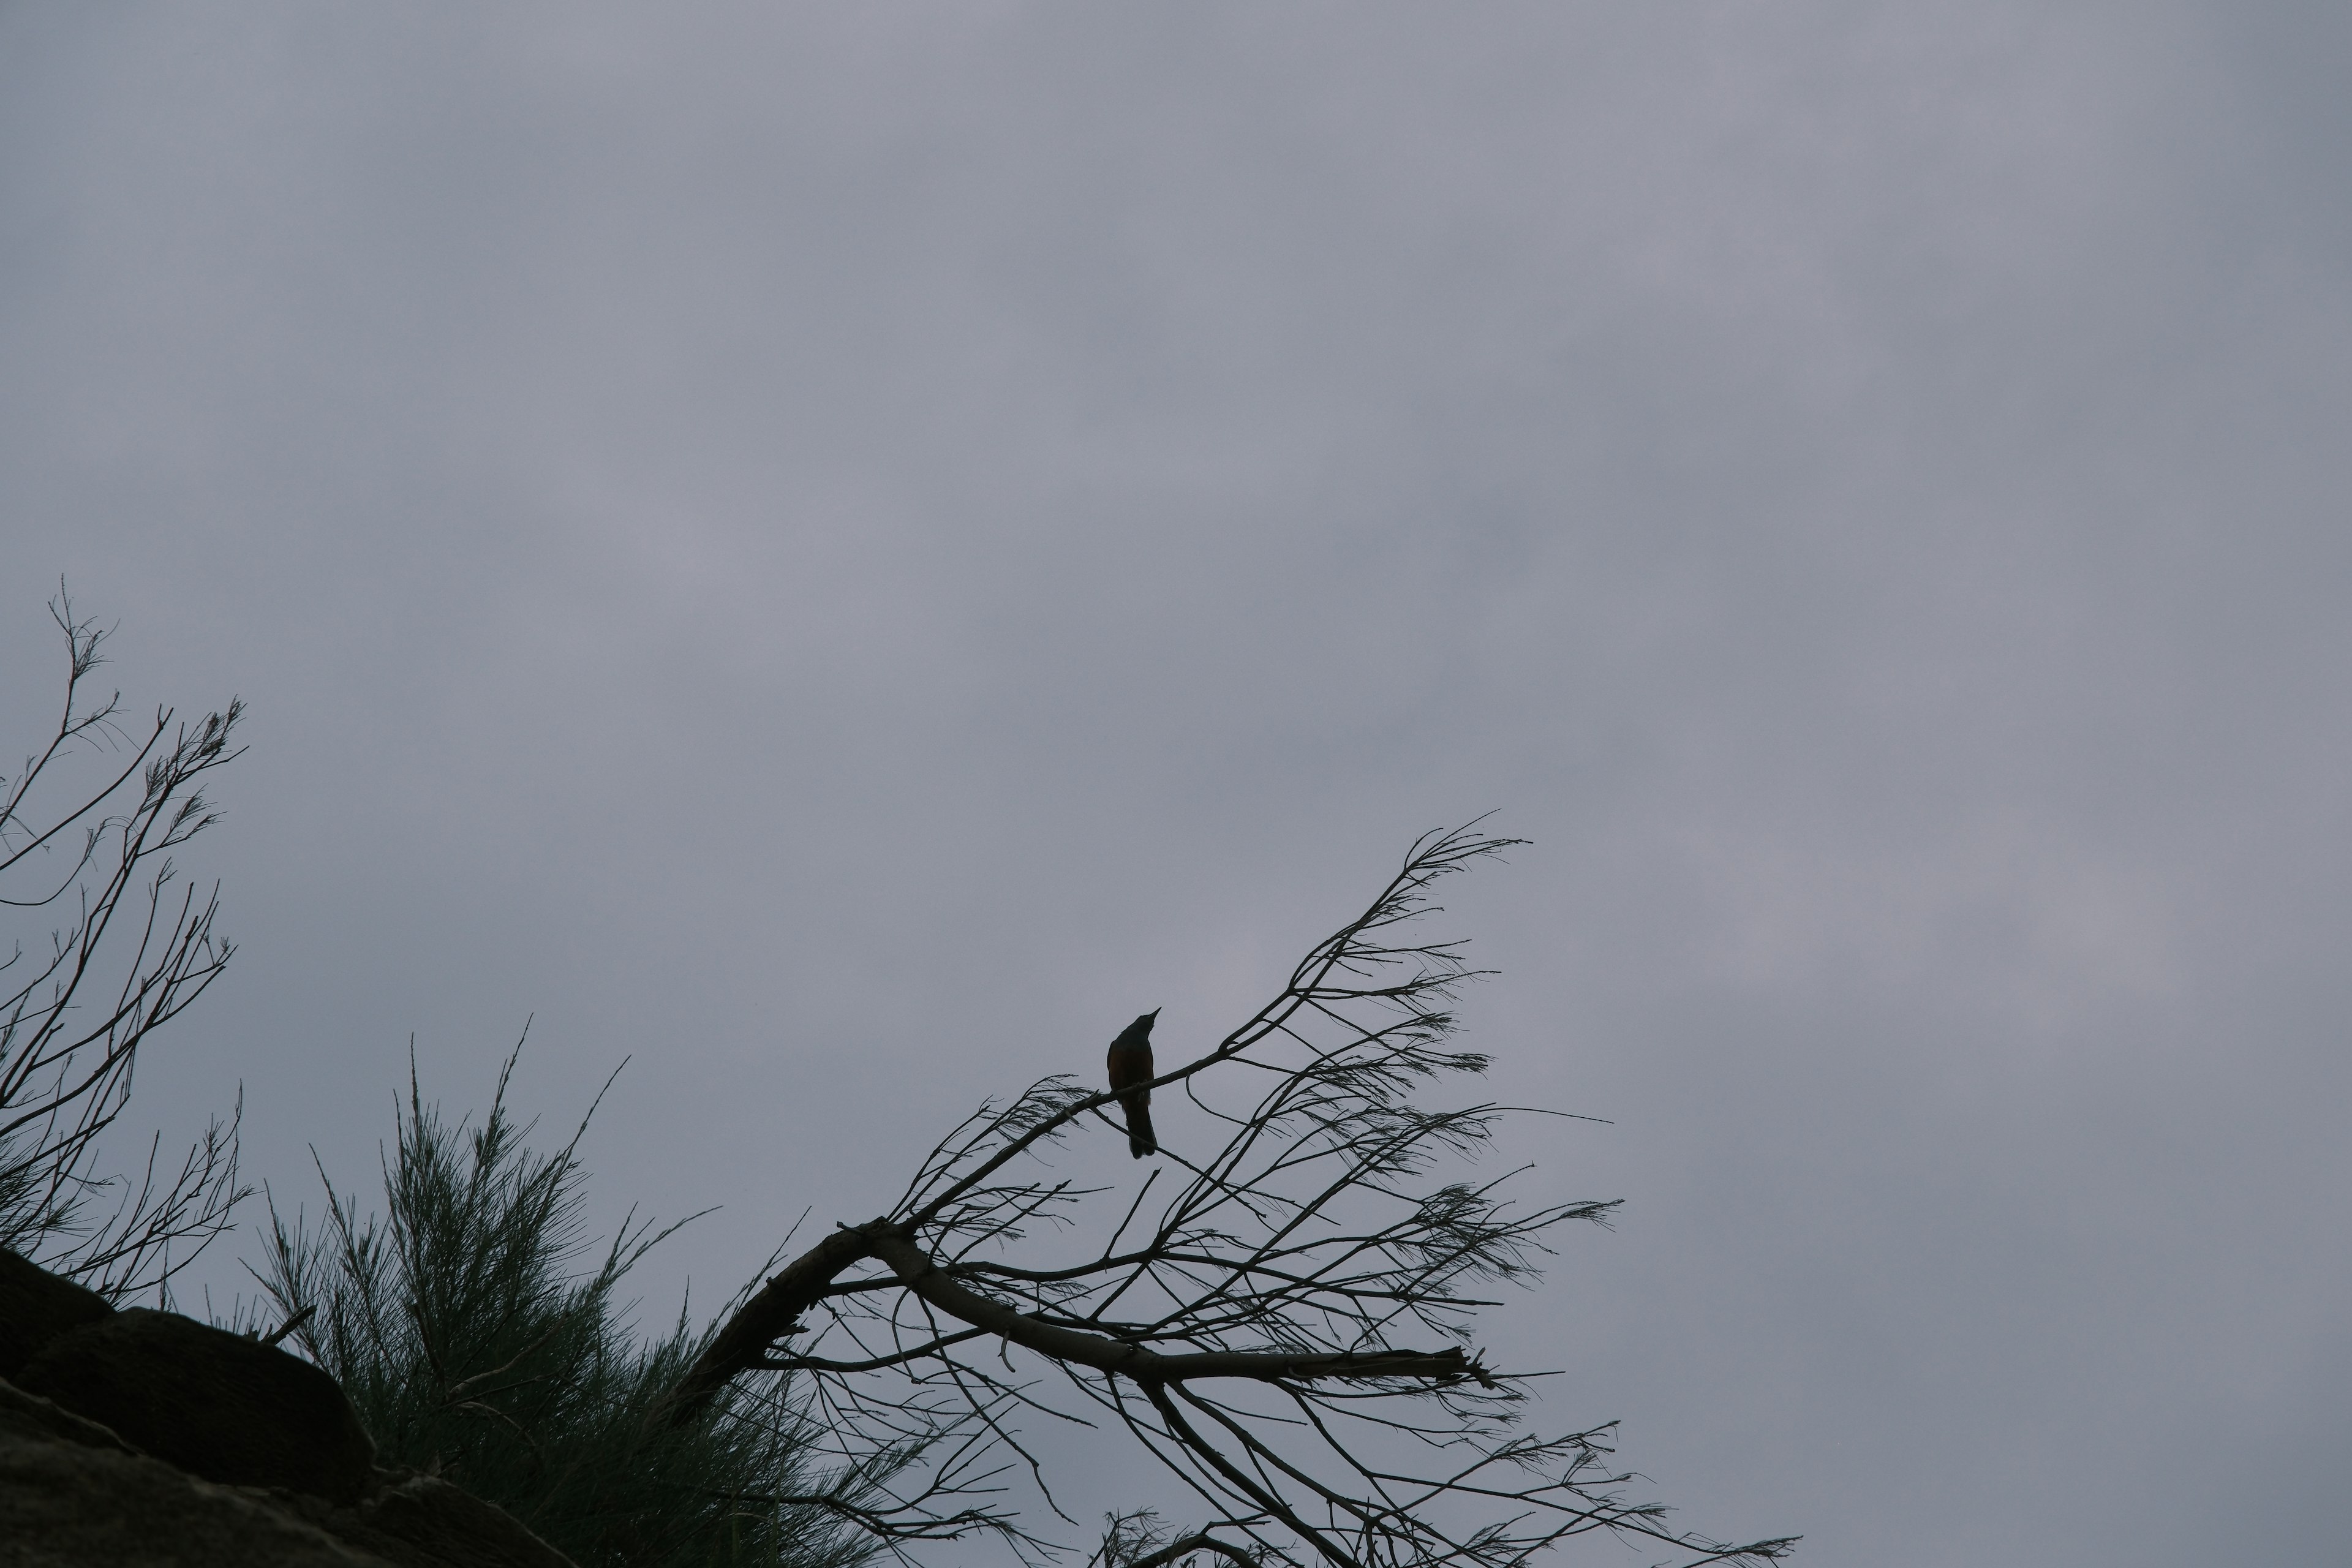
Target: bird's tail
[(1140, 1141)]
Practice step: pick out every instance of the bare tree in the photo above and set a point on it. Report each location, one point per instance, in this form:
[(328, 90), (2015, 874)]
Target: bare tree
[(134, 948), (1289, 1333)]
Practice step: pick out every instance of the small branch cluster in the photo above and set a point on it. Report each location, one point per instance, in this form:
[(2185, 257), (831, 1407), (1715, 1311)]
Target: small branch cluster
[(135, 948), (1288, 1332)]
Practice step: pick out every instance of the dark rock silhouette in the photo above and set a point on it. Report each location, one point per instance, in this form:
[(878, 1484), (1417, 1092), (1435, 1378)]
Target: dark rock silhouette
[(36, 1306), (217, 1405), (139, 1439)]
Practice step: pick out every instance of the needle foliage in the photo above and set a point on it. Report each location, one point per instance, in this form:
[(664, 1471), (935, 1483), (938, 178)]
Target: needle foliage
[(480, 1334)]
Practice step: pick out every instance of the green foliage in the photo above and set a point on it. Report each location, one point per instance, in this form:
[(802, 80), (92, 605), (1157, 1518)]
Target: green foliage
[(476, 1346)]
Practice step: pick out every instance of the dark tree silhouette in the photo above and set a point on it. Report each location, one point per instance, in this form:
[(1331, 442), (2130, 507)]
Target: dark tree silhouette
[(1289, 1333), (131, 945), (1283, 1323)]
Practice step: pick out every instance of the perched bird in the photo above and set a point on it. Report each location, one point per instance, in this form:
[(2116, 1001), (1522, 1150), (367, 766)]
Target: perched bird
[(1130, 1062)]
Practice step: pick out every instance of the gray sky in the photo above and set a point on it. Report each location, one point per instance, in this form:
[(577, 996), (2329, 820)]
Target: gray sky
[(840, 553)]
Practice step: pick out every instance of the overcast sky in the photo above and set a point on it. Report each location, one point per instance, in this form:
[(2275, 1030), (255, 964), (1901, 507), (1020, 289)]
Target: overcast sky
[(840, 553)]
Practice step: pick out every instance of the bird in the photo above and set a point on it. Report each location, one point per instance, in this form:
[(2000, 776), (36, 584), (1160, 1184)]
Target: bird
[(1131, 1063)]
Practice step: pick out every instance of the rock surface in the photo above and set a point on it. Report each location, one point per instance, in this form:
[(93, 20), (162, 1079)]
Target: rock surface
[(217, 1405), (76, 1491), (424, 1521), (36, 1306)]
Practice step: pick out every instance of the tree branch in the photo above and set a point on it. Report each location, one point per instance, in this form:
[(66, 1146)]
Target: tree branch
[(926, 1278), (1291, 1270)]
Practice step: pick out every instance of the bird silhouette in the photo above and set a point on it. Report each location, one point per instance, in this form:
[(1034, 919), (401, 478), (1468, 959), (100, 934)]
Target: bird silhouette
[(1131, 1063)]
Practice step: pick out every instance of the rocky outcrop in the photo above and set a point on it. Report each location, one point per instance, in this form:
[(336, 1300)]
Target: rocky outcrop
[(215, 1404), (72, 1495), (141, 1437), (36, 1306)]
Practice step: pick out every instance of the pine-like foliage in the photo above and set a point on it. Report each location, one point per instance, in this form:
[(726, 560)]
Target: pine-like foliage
[(479, 1342)]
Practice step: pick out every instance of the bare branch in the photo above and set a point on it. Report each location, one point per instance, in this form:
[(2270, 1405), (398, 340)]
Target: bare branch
[(71, 1025), (1256, 1334)]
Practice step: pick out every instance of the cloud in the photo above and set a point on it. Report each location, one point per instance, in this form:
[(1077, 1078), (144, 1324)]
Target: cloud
[(844, 552)]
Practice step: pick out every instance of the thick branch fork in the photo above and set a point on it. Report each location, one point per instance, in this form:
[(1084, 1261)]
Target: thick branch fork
[(774, 1313), (917, 1271)]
